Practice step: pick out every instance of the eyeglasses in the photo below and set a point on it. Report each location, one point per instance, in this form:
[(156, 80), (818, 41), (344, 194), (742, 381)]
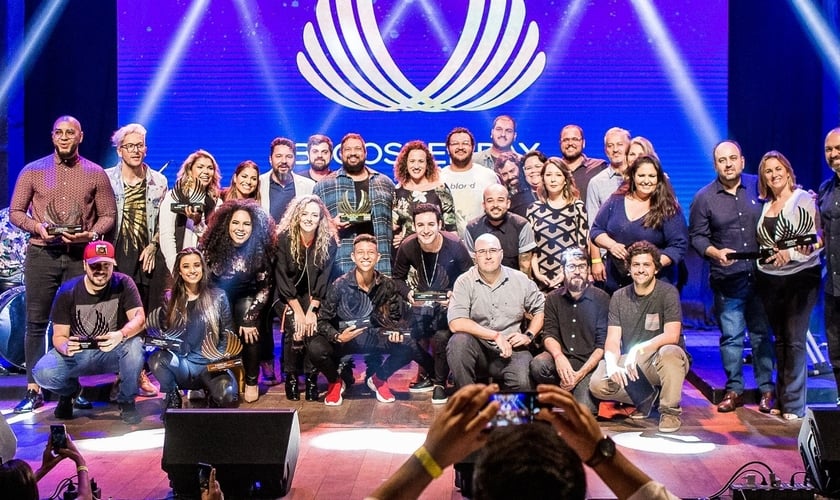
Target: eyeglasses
[(58, 133), (576, 267), (571, 139), (536, 166), (485, 251), (133, 147)]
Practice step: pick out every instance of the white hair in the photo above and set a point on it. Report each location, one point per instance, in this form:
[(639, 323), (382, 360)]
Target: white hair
[(131, 128)]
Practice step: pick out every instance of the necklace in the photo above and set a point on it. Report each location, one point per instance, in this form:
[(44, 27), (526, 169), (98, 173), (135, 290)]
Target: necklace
[(425, 271)]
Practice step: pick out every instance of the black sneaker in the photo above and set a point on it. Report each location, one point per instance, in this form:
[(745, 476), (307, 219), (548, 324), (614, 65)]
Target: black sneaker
[(345, 371), (129, 413), (30, 402), (423, 384), (64, 408), (439, 395)]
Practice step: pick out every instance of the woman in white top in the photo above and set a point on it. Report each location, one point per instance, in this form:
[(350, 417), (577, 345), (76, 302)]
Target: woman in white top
[(789, 279), (195, 195)]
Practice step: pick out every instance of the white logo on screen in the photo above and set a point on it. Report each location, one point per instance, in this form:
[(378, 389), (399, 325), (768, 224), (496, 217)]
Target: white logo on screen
[(494, 60)]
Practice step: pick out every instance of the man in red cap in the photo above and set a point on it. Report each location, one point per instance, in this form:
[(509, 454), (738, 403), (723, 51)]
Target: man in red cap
[(96, 321)]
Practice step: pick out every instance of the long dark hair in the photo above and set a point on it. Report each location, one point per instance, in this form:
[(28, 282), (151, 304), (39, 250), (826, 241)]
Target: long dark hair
[(218, 247), (176, 297), (18, 481), (663, 201)]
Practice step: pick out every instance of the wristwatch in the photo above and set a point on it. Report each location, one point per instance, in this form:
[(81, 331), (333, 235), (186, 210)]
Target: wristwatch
[(604, 450), (529, 334), (94, 236)]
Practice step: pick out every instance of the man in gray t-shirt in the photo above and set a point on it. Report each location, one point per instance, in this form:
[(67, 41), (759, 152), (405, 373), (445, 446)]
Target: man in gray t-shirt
[(644, 341), (489, 303)]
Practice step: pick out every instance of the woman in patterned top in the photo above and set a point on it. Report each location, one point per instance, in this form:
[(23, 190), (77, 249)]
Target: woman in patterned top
[(239, 247), (559, 223), (418, 178), (789, 280)]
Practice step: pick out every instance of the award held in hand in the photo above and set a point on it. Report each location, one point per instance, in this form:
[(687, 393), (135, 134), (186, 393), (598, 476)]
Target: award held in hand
[(86, 333), (354, 214), (354, 311), (187, 194), (59, 222), (157, 336), (224, 356)]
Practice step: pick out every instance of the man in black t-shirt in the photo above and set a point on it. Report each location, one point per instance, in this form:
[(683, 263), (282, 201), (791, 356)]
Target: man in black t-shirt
[(430, 261), (96, 321)]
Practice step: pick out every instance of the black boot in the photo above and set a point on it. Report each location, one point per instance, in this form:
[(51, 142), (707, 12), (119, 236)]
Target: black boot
[(312, 387), (292, 389)]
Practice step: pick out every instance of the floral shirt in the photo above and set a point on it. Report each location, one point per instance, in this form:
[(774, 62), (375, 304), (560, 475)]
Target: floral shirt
[(13, 249)]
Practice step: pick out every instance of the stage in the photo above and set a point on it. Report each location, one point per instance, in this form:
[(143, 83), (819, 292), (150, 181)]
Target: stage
[(346, 451)]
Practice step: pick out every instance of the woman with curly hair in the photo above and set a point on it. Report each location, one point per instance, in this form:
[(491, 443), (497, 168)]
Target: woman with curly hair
[(198, 314), (306, 246), (418, 181), (559, 223), (188, 205), (239, 248), (648, 210), (245, 183)]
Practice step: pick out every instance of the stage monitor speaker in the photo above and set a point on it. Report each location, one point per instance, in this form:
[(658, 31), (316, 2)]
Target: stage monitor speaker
[(254, 452), (819, 445)]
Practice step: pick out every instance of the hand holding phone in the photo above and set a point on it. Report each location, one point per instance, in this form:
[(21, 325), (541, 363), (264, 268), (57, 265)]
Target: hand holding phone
[(58, 436), (204, 475), (515, 408)]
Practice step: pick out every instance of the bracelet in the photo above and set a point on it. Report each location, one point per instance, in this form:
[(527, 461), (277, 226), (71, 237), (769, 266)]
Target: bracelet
[(428, 462), (597, 261), (81, 468)]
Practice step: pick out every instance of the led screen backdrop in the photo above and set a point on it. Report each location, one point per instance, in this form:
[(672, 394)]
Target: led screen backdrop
[(229, 76)]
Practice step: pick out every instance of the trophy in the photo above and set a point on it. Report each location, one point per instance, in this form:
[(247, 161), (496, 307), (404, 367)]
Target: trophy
[(766, 253), (222, 360), (434, 286), (86, 333), (188, 194), (66, 223), (354, 311), (389, 326), (165, 339), (354, 215)]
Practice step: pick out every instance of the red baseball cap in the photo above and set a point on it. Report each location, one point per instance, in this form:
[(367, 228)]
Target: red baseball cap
[(99, 251)]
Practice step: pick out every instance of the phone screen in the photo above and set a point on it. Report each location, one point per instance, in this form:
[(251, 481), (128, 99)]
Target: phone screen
[(515, 408), (204, 475), (58, 436)]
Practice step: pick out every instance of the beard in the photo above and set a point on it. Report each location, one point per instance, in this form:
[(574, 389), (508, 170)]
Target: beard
[(353, 169), (572, 157)]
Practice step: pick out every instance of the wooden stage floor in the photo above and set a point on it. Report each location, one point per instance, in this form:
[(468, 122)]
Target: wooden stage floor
[(347, 451)]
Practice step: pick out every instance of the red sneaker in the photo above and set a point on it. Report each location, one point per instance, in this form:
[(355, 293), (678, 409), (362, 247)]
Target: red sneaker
[(381, 389), (334, 393)]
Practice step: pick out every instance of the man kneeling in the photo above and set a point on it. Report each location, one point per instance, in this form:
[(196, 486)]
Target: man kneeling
[(644, 345), (96, 320)]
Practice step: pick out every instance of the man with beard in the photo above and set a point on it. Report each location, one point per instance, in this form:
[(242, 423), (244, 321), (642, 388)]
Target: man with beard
[(829, 205), (502, 136), (514, 231), (139, 192), (644, 342), (574, 331), (521, 196), (604, 184), (359, 200), (465, 179), (723, 220), (279, 186), (430, 261), (97, 319), (320, 150), (489, 304), (583, 168), (55, 193)]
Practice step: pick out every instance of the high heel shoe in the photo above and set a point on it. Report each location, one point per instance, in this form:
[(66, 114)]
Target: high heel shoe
[(292, 389), (312, 387), (252, 393)]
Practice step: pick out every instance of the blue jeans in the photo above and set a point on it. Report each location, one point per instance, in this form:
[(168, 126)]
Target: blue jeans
[(46, 269), (734, 315), (544, 371), (60, 374)]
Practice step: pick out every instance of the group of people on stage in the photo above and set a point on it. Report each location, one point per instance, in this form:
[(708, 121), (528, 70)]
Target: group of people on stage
[(525, 269)]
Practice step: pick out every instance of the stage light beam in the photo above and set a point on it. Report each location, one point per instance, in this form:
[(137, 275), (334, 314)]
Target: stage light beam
[(821, 35), (678, 73), (172, 58), (37, 34)]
